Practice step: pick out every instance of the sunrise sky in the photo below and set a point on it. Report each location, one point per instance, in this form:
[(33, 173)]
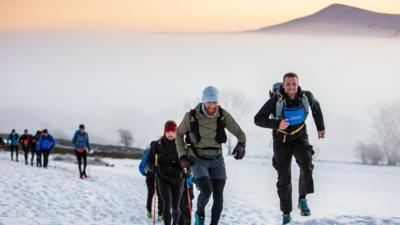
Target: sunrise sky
[(164, 15)]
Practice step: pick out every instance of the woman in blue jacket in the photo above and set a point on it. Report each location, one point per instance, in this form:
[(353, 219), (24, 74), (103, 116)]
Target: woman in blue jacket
[(81, 146), (44, 146)]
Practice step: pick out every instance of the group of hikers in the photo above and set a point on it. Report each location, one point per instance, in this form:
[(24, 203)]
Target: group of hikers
[(41, 145), (194, 148)]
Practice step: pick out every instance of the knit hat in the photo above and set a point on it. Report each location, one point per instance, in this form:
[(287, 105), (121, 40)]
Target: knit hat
[(210, 94), (170, 125)]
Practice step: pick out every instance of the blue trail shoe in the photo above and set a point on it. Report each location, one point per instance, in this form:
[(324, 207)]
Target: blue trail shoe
[(198, 220), (286, 219), (303, 206)]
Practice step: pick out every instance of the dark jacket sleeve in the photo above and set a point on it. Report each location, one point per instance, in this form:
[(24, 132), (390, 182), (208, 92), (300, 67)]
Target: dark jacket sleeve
[(316, 111), (262, 118), (151, 157)]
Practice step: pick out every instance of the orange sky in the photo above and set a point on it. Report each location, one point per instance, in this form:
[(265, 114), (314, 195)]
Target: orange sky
[(164, 15)]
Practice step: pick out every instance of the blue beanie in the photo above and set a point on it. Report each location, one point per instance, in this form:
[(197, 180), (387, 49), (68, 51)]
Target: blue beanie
[(210, 94)]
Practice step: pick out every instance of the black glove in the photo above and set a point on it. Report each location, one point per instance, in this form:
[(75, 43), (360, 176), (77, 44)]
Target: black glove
[(239, 151), (185, 162)]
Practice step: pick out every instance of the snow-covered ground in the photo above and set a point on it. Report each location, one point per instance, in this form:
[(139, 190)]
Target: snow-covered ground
[(345, 194)]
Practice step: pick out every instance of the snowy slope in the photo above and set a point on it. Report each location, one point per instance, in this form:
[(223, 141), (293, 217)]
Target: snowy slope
[(342, 19), (346, 194)]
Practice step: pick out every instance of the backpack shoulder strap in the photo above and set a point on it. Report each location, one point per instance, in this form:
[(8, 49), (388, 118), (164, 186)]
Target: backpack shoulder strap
[(221, 124), (192, 115), (221, 114), (153, 148), (279, 106), (305, 102)]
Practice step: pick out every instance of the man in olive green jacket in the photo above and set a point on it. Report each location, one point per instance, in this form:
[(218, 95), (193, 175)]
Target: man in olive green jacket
[(201, 150)]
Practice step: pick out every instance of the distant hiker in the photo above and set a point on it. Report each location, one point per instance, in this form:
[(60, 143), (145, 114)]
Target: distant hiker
[(34, 140), (82, 147), (186, 202), (286, 112), (44, 146), (25, 143), (2, 142), (164, 159), (12, 140), (204, 128), (146, 170)]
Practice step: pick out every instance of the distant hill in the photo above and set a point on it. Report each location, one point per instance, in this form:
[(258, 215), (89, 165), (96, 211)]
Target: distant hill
[(339, 19)]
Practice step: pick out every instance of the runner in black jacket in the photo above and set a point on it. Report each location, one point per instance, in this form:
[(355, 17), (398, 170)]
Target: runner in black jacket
[(285, 112)]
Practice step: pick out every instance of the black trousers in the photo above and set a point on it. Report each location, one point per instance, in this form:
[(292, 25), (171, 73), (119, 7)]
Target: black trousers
[(38, 159), (45, 158), (208, 187), (185, 218), (150, 179), (171, 193), (14, 148), (81, 156), (26, 150), (282, 160), (33, 152)]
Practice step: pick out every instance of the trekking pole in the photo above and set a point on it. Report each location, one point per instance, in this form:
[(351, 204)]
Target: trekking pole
[(188, 196), (88, 162), (55, 164), (155, 189), (187, 185)]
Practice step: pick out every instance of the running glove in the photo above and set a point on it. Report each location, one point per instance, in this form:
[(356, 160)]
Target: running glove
[(185, 162), (239, 151)]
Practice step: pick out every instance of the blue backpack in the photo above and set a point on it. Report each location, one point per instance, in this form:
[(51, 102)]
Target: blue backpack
[(143, 168)]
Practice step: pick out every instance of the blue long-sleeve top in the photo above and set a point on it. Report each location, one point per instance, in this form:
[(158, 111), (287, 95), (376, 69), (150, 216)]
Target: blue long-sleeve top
[(81, 140), (13, 139), (45, 143)]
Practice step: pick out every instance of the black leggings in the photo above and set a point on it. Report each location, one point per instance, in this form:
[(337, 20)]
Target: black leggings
[(14, 147), (80, 156), (208, 187), (26, 153), (45, 158), (171, 197), (150, 179), (33, 152)]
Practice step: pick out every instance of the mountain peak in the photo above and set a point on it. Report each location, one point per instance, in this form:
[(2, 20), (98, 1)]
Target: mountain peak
[(344, 20), (338, 9), (339, 6)]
